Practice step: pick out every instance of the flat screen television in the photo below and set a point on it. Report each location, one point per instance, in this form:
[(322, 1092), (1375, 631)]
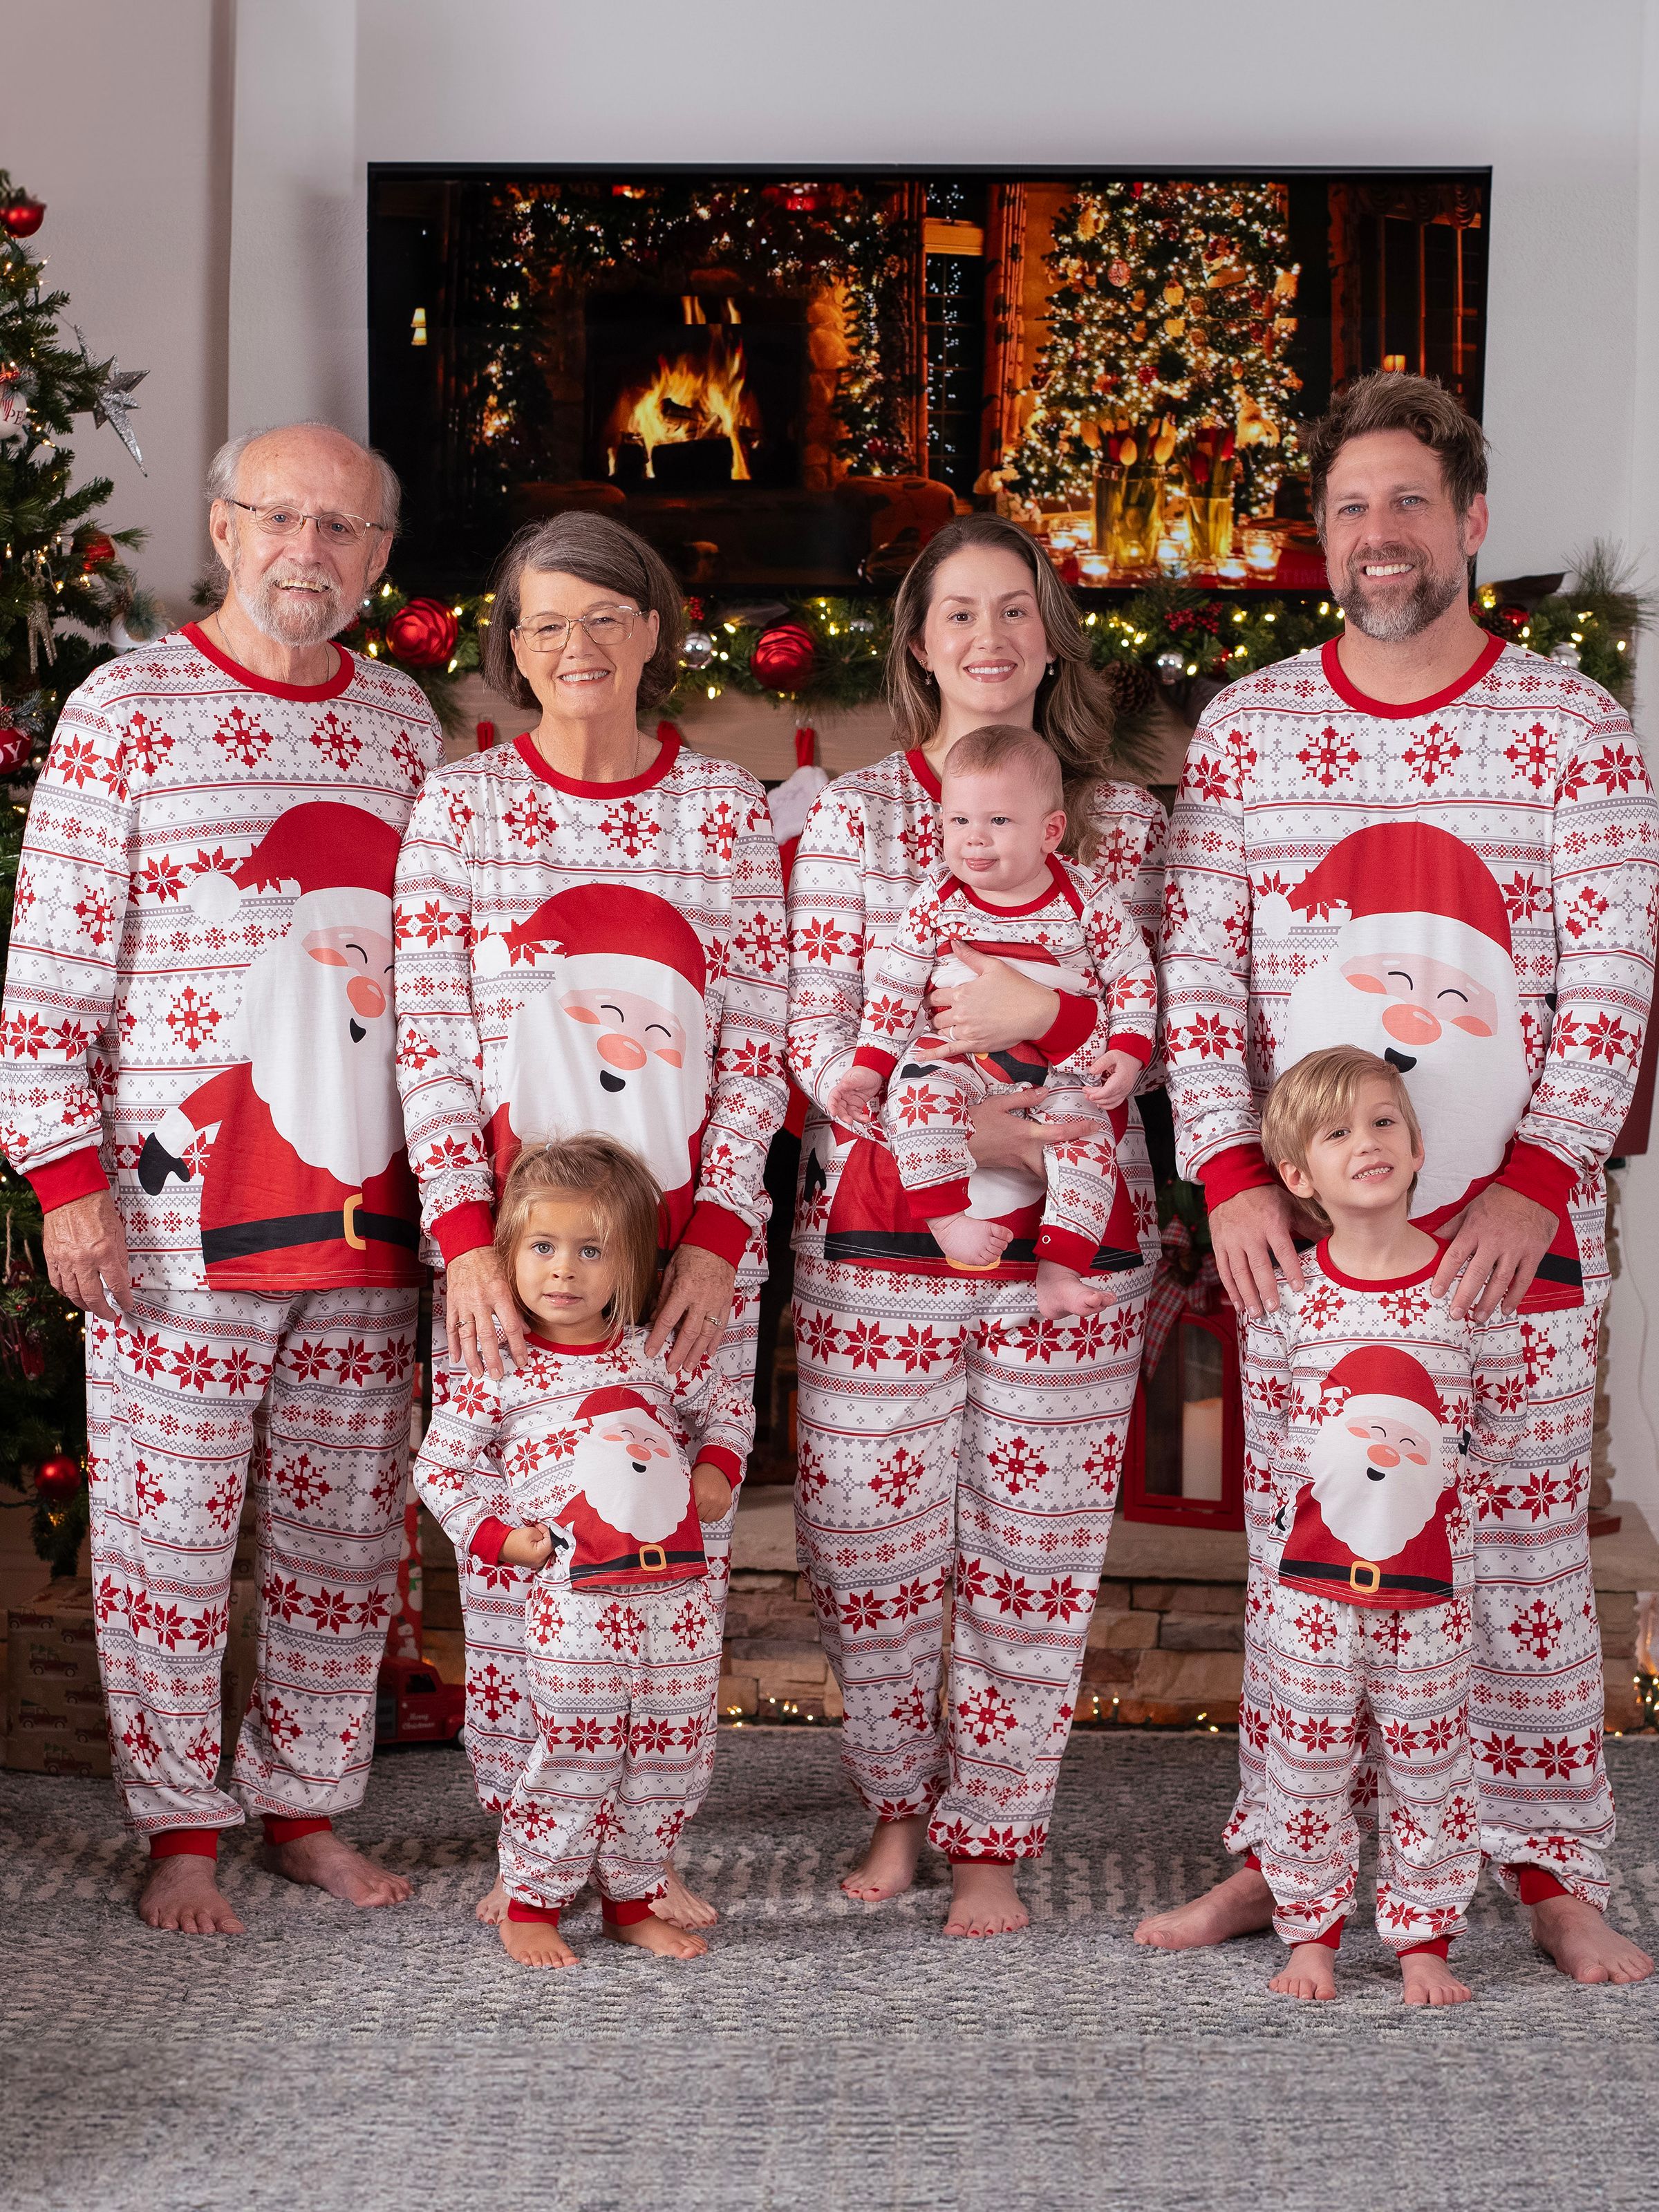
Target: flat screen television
[(787, 381)]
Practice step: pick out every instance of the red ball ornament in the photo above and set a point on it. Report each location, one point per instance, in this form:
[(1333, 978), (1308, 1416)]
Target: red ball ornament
[(14, 748), (23, 216), (97, 552), (57, 1480), (423, 634), (784, 657)]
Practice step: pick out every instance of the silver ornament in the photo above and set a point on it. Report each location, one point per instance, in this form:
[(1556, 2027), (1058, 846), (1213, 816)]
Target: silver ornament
[(697, 649), (115, 403), (860, 626), (1171, 666), (1566, 653)]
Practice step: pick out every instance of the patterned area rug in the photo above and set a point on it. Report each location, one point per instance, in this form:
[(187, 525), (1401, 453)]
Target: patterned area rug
[(825, 2054)]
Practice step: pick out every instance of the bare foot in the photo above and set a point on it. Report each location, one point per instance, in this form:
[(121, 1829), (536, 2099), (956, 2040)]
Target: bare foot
[(1430, 1981), (656, 1935), (1062, 1292), (328, 1862), (966, 1242), (1578, 1939), (984, 1901), (889, 1866), (535, 1943), (1242, 1904), (491, 1907), (182, 1894), (1310, 1971), (681, 1907)]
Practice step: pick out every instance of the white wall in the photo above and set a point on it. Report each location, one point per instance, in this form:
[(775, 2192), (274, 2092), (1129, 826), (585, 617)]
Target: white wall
[(109, 113)]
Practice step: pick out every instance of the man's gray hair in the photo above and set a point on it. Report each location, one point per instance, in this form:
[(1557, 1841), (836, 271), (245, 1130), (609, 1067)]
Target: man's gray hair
[(226, 465)]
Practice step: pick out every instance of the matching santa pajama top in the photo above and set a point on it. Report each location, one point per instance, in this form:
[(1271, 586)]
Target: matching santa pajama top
[(1533, 776), (142, 901), (529, 1428), (871, 843), (1316, 1354), (510, 874)]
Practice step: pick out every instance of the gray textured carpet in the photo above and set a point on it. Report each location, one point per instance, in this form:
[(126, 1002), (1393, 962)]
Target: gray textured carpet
[(824, 2055)]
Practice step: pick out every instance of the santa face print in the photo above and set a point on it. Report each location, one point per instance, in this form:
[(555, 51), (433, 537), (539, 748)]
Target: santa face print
[(629, 1032), (998, 835), (634, 1475), (367, 957), (1426, 996), (562, 1271), (1376, 1475), (1362, 1163)]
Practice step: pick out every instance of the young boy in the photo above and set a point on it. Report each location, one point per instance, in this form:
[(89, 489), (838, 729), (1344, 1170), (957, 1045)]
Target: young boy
[(1005, 893), (612, 1464), (1384, 1417)]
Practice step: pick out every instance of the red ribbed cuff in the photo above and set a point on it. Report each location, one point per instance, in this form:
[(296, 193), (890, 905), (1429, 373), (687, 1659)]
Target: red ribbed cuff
[(466, 1228), (1240, 1168), (939, 1198), (1536, 1884), (186, 1842), (60, 1182), (1535, 1173), (878, 1061), (1071, 1028), (1438, 1947), (279, 1830), (540, 1916), (981, 1858), (1138, 1048), (1067, 1249), (486, 1540), (627, 1912), (1331, 1939), (715, 1229), (727, 1461)]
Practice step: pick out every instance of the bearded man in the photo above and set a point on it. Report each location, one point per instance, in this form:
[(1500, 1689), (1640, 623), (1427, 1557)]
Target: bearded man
[(197, 1079), (1441, 847)]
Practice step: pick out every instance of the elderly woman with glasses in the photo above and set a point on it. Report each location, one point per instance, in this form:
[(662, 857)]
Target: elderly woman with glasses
[(590, 937)]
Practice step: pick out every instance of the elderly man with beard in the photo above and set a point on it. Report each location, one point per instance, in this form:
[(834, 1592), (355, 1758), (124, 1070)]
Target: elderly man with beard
[(197, 1076), (1441, 847)]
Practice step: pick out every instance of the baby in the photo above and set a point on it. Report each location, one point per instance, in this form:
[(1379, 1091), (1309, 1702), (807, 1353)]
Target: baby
[(1005, 894)]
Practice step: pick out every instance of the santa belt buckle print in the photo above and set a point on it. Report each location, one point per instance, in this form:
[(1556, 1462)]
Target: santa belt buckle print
[(650, 1559), (243, 1240), (1365, 1577)]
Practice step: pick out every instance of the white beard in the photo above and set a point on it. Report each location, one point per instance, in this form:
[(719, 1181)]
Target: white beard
[(1468, 1092), (1375, 1520), (334, 1101), (647, 1503), (550, 1071)]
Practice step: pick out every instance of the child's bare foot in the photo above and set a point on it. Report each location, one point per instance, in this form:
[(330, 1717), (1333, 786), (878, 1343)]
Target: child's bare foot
[(1578, 1939), (889, 1866), (681, 1907), (1430, 1981), (535, 1943), (182, 1895), (328, 1862), (1310, 1971), (1242, 1904), (984, 1901), (658, 1936), (1062, 1292), (966, 1242), (492, 1905)]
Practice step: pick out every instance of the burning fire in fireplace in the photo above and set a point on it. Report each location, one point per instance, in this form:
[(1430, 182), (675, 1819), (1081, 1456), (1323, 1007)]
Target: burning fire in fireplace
[(695, 398)]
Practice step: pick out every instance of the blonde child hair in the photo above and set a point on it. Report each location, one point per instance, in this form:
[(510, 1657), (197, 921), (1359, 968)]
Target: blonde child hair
[(1322, 1088), (1005, 744), (625, 1199)]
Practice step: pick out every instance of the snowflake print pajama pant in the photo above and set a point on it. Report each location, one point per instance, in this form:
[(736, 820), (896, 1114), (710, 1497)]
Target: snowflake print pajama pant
[(929, 1117), (1536, 1692), (1328, 1666), (174, 1395), (947, 1431), (500, 1727), (623, 1688)]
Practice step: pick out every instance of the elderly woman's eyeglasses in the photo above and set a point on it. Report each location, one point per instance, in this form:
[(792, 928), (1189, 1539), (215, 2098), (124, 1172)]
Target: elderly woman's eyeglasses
[(606, 627), (288, 522)]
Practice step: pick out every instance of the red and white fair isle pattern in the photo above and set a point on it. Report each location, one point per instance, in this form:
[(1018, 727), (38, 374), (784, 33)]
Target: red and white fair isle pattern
[(177, 1395), (167, 765), (494, 835)]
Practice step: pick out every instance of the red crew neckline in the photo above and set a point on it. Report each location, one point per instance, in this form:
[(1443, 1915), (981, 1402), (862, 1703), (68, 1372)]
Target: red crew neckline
[(250, 682), (1056, 882), (917, 762), (1392, 711), (573, 788), (567, 1350), (1425, 1274)]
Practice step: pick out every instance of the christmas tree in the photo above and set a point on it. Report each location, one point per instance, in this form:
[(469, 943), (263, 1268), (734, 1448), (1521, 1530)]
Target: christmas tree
[(63, 584), (1168, 328)]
